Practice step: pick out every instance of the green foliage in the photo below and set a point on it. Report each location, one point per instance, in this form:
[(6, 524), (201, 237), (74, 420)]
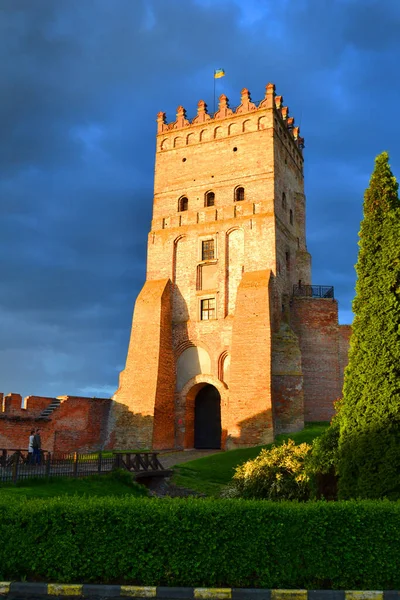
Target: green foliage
[(116, 483), (321, 464), (369, 442), (211, 543), (324, 452), (210, 475), (275, 474)]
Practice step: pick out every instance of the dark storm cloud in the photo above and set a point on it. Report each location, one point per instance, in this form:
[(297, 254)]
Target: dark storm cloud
[(80, 88)]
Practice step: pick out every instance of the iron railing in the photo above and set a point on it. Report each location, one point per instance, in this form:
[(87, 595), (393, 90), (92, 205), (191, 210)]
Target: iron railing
[(313, 291)]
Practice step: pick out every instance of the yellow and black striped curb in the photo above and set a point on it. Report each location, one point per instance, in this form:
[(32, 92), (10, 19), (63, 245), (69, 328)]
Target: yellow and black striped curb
[(19, 589)]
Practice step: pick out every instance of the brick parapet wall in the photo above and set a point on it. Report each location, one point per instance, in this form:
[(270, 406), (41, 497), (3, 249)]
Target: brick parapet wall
[(79, 424), (12, 405), (31, 406)]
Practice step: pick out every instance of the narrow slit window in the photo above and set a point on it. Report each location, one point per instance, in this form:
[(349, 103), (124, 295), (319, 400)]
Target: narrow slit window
[(288, 261), (183, 204), (207, 250), (291, 217), (210, 199), (284, 204), (239, 194), (208, 309)]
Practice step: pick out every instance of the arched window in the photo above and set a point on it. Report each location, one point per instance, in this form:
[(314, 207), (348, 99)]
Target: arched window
[(291, 217), (183, 204), (239, 194), (284, 205), (209, 199)]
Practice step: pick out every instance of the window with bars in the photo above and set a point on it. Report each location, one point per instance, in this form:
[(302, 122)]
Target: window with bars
[(207, 250), (207, 309), (209, 199)]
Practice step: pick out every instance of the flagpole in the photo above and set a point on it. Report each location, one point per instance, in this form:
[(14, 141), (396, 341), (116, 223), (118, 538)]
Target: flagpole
[(214, 92)]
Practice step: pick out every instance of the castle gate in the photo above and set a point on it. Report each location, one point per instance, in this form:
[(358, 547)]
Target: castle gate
[(207, 418)]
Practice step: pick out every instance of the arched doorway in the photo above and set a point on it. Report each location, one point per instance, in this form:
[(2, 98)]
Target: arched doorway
[(207, 418)]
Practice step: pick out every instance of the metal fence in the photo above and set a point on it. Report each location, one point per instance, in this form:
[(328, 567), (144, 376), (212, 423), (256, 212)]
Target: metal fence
[(313, 291), (17, 465)]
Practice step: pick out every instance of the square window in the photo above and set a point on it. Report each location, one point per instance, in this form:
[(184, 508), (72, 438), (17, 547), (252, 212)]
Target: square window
[(207, 309), (207, 250)]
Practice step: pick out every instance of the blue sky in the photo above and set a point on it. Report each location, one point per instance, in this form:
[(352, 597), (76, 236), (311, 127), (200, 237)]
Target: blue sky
[(81, 82)]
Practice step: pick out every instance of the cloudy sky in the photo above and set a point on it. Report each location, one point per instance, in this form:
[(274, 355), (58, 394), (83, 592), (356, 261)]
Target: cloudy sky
[(81, 82)]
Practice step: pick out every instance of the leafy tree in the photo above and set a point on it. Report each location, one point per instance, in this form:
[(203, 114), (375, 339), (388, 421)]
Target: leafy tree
[(369, 417)]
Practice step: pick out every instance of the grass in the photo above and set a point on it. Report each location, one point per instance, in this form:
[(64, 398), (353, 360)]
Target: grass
[(206, 475), (210, 474), (110, 453), (112, 484)]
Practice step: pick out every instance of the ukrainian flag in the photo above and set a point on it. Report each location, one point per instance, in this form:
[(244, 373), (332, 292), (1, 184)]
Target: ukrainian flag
[(219, 73)]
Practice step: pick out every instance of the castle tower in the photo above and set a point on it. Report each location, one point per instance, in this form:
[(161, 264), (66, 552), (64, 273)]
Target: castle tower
[(227, 244)]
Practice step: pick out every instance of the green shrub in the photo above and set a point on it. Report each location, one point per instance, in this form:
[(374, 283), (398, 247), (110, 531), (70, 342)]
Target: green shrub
[(322, 461), (324, 451), (210, 543), (275, 474)]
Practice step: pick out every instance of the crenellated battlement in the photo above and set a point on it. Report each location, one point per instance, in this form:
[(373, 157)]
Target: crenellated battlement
[(13, 405), (67, 423), (203, 117)]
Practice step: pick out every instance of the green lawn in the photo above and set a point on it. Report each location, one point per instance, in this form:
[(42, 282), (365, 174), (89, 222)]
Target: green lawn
[(113, 484), (210, 474), (207, 475), (110, 453)]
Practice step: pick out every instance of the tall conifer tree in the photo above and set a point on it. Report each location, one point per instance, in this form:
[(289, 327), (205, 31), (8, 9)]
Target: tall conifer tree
[(369, 417)]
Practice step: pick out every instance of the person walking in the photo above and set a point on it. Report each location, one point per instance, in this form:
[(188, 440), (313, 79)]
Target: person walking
[(30, 447), (37, 447)]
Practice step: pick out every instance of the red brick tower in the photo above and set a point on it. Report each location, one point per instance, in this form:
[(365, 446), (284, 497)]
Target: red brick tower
[(213, 359)]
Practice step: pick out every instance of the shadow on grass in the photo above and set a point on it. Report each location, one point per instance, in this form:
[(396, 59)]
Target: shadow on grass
[(117, 483), (210, 474)]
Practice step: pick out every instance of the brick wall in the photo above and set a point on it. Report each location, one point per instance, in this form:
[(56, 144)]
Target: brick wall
[(250, 409), (287, 381), (147, 384), (79, 424), (323, 349)]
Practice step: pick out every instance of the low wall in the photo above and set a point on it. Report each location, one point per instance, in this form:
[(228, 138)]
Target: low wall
[(78, 424)]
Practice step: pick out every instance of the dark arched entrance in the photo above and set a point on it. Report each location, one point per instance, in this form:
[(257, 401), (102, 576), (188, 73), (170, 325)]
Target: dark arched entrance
[(207, 418)]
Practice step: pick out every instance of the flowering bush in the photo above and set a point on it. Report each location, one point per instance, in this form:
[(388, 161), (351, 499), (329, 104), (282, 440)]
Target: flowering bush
[(275, 474)]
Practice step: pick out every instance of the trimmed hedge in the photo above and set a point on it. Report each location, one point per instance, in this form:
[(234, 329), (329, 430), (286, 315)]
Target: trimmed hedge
[(192, 542)]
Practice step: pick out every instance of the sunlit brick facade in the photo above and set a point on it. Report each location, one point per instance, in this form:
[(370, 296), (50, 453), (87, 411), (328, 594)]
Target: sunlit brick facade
[(229, 344)]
